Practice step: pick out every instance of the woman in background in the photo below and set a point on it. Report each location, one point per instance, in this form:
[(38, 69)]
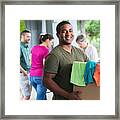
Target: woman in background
[(38, 55)]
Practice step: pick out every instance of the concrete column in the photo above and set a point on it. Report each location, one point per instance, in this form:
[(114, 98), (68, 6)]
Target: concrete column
[(54, 24), (43, 27), (74, 24), (49, 26)]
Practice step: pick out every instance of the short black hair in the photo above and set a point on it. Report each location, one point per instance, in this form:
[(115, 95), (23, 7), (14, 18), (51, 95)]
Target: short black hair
[(61, 24), (25, 31)]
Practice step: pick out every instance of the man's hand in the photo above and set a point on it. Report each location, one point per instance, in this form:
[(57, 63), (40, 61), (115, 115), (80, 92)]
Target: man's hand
[(25, 73), (75, 95)]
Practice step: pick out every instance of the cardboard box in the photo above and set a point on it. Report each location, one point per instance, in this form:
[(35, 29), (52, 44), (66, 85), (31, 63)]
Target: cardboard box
[(89, 92)]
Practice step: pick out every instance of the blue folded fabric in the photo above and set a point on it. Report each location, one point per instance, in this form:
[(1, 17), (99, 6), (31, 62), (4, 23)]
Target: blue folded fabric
[(89, 72)]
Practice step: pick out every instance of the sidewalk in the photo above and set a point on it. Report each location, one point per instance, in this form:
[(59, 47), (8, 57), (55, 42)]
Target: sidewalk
[(33, 94)]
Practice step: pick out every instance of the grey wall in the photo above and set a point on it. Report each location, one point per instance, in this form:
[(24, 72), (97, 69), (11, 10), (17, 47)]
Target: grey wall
[(36, 27)]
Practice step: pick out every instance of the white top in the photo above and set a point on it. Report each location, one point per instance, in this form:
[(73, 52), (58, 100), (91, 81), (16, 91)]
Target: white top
[(91, 52)]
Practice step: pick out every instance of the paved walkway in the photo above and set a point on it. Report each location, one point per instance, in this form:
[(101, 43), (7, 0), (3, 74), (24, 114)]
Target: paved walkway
[(49, 94)]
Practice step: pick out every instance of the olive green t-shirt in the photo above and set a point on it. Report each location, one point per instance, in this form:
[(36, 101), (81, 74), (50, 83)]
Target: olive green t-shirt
[(59, 61)]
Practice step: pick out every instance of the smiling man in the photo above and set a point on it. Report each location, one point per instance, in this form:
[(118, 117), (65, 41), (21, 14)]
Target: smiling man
[(25, 64), (58, 64)]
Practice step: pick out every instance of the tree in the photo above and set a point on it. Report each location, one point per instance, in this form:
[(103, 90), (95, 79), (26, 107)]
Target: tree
[(22, 25), (92, 28)]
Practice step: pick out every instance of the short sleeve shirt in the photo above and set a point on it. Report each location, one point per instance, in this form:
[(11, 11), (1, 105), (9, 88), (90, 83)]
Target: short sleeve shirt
[(60, 62), (91, 51), (38, 54), (24, 56)]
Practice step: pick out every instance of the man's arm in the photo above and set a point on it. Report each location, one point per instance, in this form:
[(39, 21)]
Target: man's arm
[(23, 71), (50, 84)]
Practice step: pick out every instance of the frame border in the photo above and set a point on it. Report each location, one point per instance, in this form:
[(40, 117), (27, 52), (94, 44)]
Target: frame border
[(55, 2)]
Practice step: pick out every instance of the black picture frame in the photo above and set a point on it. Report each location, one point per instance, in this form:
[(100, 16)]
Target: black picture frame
[(55, 2)]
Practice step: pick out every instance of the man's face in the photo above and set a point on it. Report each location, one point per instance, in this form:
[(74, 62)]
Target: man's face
[(82, 44), (66, 34), (26, 37)]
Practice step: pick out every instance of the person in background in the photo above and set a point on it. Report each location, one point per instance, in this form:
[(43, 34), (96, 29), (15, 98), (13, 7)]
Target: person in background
[(25, 64), (38, 55), (58, 64), (88, 48)]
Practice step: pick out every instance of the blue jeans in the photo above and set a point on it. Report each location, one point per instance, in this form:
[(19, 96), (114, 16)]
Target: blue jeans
[(37, 83)]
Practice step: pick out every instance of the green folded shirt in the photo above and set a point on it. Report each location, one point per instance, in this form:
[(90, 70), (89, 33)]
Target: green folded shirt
[(77, 74)]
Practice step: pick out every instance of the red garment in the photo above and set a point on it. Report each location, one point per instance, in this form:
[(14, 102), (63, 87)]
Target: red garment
[(97, 74)]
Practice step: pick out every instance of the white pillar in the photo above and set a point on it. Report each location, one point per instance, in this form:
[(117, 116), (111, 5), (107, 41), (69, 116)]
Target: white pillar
[(43, 27), (56, 40), (74, 24)]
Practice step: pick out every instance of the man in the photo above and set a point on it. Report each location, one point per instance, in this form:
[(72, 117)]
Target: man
[(25, 64), (59, 62), (89, 49)]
